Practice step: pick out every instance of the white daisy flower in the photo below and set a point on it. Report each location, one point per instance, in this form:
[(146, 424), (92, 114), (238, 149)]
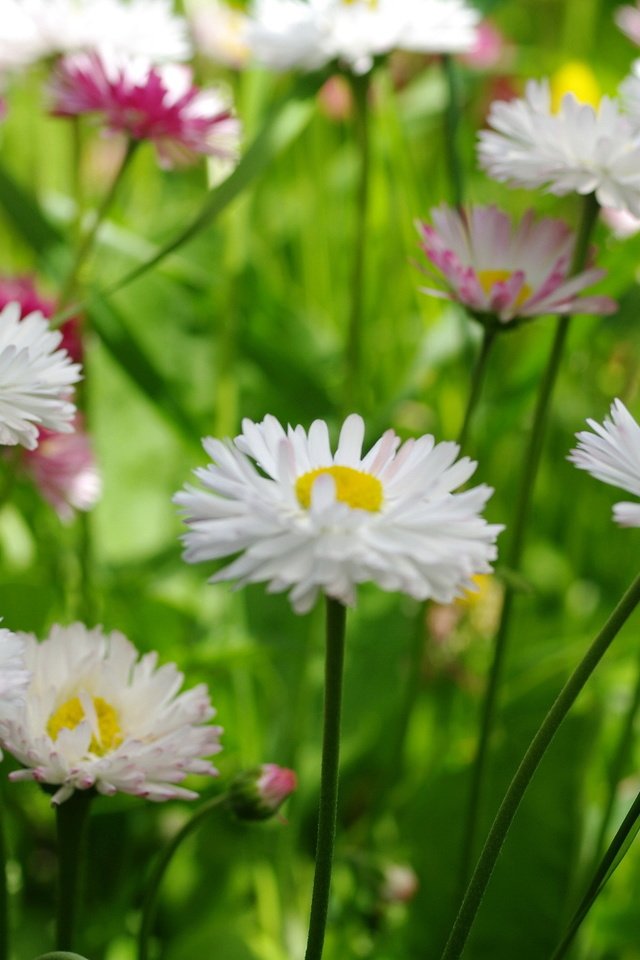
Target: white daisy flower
[(307, 34), (577, 149), (612, 454), (13, 674), (36, 378), (309, 521), (31, 30), (96, 715)]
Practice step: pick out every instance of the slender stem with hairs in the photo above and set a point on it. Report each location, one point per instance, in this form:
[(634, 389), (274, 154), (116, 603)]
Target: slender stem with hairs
[(71, 819), (530, 762), (518, 528), (328, 807)]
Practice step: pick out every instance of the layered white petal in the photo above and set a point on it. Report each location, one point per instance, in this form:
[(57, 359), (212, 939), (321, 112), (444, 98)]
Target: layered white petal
[(13, 673), (422, 539)]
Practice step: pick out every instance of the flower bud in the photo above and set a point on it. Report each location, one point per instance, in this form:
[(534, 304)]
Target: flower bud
[(258, 794)]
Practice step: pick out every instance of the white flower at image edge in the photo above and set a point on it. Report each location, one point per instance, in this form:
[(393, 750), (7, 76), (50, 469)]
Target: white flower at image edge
[(574, 150), (94, 715), (612, 454), (35, 378), (13, 674), (303, 519)]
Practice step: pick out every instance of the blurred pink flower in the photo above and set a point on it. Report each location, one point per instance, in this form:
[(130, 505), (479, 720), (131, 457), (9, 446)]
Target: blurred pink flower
[(505, 270), (628, 19), (23, 290), (64, 470), (145, 102), (621, 223), (258, 794), (488, 48)]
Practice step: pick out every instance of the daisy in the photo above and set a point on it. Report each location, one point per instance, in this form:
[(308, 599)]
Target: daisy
[(303, 519), (612, 454), (219, 32), (628, 19), (576, 149), (307, 34), (507, 271), (23, 290), (64, 470), (144, 102), (13, 675), (35, 29), (36, 378), (98, 715)]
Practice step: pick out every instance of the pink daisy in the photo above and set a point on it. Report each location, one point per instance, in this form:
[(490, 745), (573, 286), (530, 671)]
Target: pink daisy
[(64, 470), (146, 102), (506, 271)]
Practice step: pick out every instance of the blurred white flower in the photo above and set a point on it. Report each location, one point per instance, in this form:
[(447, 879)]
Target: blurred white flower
[(309, 521), (307, 34), (628, 19), (13, 674), (219, 32), (36, 378), (31, 30), (97, 716), (576, 149), (612, 454)]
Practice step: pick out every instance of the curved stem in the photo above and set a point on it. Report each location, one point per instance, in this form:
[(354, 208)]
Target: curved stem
[(161, 867), (524, 774), (327, 813), (604, 871), (353, 352), (452, 121), (518, 529), (71, 820), (477, 380)]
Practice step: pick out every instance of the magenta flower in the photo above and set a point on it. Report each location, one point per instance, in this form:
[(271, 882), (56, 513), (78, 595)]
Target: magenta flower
[(64, 470), (506, 271), (22, 290), (145, 102)]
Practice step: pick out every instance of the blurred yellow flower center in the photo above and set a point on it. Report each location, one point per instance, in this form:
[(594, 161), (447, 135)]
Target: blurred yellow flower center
[(577, 78), (372, 4), (71, 713), (359, 490), (487, 278)]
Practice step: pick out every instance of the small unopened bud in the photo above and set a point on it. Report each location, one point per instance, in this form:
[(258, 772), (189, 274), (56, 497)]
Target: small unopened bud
[(258, 794), (400, 883)]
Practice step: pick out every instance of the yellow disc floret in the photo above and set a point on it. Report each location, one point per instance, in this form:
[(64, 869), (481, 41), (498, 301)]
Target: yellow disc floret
[(71, 713), (361, 491), (578, 78), (487, 278)]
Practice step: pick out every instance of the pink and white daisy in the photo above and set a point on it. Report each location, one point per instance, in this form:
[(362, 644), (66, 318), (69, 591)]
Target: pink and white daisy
[(612, 454), (13, 674), (303, 519), (505, 270), (64, 470), (576, 149), (144, 102), (36, 378), (23, 291), (95, 714)]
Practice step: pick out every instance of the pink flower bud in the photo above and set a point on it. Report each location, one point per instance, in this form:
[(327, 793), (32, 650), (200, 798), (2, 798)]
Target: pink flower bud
[(258, 794)]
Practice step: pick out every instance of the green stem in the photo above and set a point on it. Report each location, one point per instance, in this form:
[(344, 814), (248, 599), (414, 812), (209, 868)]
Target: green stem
[(161, 867), (71, 818), (524, 774), (604, 871), (477, 380), (4, 892), (531, 464), (452, 122), (60, 955), (353, 352), (327, 814), (86, 243)]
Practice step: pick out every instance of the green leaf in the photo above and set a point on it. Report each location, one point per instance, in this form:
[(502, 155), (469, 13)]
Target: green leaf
[(26, 215)]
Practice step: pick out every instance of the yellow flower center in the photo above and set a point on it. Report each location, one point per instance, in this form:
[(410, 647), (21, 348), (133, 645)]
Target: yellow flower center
[(71, 713), (487, 278), (574, 77), (372, 4), (361, 491)]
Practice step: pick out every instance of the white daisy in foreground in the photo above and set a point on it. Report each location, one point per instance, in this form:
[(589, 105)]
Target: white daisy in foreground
[(96, 715), (576, 149), (612, 454), (13, 674), (306, 520), (307, 34), (36, 378), (31, 30)]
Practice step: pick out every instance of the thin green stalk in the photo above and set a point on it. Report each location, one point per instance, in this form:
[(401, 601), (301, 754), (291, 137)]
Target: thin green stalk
[(4, 892), (60, 955), (86, 243), (353, 352), (71, 820), (327, 813), (524, 774), (477, 380), (161, 867), (452, 122), (604, 871), (518, 529)]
